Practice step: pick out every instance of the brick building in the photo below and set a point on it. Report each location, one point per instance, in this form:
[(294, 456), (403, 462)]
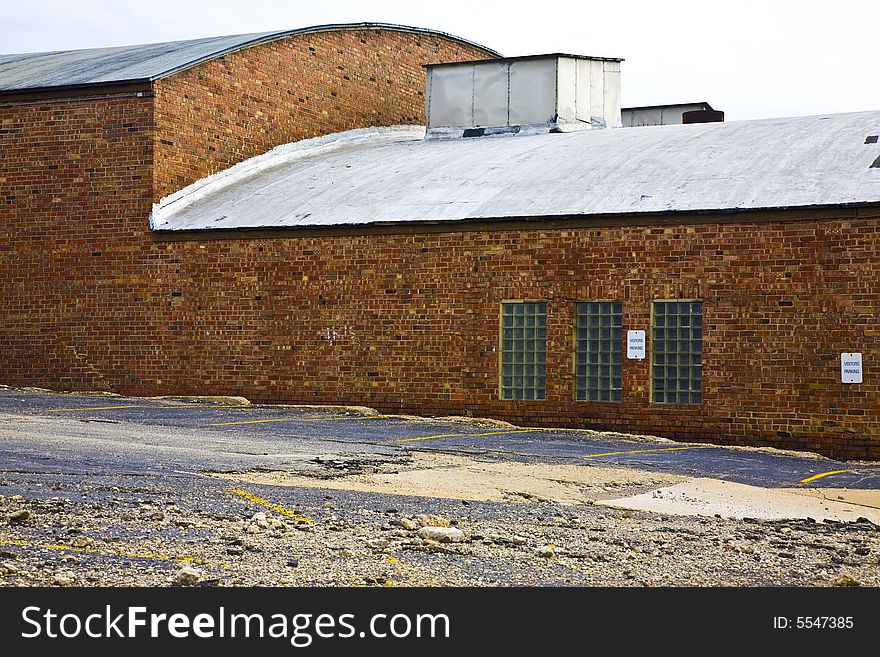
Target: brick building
[(153, 240)]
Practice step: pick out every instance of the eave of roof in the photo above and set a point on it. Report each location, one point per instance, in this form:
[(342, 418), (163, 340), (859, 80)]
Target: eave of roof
[(384, 176), (637, 108), (522, 58), (69, 70)]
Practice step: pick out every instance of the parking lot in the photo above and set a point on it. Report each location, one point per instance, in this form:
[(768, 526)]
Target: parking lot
[(229, 431), (115, 490)]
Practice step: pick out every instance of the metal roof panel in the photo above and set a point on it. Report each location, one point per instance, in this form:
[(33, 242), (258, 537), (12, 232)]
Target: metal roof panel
[(390, 175), (70, 68)]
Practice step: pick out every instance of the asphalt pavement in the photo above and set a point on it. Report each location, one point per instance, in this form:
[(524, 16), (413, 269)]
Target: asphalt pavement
[(163, 436)]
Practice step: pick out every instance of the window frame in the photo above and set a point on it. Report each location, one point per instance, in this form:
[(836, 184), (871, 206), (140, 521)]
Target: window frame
[(501, 305), (575, 354), (651, 355)]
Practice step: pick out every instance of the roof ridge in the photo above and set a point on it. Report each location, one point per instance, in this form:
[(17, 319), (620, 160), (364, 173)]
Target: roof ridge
[(19, 80)]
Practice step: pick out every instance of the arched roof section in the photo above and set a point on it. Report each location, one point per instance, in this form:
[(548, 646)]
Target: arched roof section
[(392, 176), (73, 69)]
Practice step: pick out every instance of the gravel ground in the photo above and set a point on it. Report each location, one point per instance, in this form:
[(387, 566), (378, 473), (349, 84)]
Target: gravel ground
[(155, 535)]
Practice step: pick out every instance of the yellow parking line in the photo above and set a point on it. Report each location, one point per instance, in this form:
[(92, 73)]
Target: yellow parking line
[(110, 408), (284, 511), (642, 451), (336, 419), (130, 555), (824, 474), (439, 435), (295, 419), (459, 435), (226, 424), (498, 433), (92, 408)]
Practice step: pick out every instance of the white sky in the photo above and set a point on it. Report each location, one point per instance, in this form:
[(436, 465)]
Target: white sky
[(750, 58)]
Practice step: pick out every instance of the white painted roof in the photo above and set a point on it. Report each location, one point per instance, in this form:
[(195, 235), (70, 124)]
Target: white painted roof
[(390, 175)]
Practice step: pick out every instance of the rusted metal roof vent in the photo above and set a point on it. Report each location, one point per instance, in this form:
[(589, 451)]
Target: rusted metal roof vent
[(522, 95), (703, 116)]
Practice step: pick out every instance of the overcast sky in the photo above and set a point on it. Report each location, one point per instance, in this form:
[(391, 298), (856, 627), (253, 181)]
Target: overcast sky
[(750, 58)]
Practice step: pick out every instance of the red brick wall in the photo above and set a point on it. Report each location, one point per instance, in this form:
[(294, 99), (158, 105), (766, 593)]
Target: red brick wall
[(75, 182), (410, 323), (228, 109), (79, 271)]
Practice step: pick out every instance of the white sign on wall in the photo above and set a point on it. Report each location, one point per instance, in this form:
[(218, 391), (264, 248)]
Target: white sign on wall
[(851, 368), (635, 345)]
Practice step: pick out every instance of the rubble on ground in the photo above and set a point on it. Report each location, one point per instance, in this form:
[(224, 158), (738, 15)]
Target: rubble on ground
[(122, 541)]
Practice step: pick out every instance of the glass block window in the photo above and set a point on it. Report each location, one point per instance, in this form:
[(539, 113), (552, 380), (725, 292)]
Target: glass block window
[(524, 350), (677, 352), (599, 351)]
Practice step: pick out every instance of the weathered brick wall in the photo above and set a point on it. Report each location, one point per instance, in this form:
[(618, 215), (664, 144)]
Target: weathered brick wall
[(75, 183), (78, 265), (410, 323), (228, 109)]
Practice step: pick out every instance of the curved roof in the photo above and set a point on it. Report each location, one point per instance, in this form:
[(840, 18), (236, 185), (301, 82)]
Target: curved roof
[(143, 63), (391, 175)]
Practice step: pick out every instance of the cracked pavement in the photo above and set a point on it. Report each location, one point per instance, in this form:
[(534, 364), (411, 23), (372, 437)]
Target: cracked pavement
[(106, 490)]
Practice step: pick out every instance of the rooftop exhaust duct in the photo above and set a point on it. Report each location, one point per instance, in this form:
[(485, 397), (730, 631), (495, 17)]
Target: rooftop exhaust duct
[(526, 95)]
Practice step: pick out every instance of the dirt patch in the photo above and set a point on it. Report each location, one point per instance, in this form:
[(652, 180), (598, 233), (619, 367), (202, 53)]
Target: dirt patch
[(329, 408), (461, 477), (776, 451), (857, 497), (710, 497), (225, 400), (467, 419)]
